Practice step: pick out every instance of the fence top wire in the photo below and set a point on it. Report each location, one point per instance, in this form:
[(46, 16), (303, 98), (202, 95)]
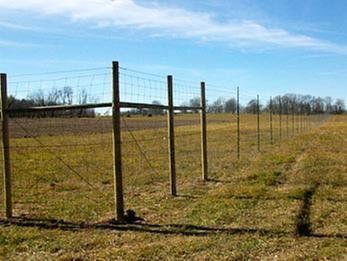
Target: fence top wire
[(135, 86), (185, 91), (63, 87), (124, 69), (59, 72), (140, 87)]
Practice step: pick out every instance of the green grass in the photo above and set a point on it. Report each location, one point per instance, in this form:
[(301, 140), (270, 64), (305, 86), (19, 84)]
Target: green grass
[(250, 208)]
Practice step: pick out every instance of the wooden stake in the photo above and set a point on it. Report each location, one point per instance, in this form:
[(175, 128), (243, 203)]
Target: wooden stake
[(258, 123), (171, 137), (6, 148), (117, 153), (271, 127), (238, 122), (203, 133)]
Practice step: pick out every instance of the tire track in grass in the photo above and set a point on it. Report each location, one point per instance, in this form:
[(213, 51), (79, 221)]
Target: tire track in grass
[(303, 218)]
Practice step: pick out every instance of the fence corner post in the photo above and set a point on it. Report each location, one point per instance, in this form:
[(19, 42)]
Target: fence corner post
[(271, 127), (258, 123), (238, 122), (171, 136), (204, 163), (117, 152), (280, 116), (6, 148)]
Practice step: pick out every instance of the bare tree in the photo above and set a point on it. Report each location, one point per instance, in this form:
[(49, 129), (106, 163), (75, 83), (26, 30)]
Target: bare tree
[(195, 102), (67, 95), (230, 105), (83, 97), (339, 106), (217, 106), (251, 107), (38, 98), (54, 97)]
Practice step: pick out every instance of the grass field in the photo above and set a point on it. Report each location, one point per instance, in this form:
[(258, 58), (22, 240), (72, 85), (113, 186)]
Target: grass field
[(287, 202)]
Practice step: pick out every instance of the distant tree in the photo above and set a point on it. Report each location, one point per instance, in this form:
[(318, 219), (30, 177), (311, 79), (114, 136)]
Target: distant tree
[(286, 104), (156, 111), (195, 102), (38, 98), (251, 107), (230, 105), (184, 104), (67, 95), (317, 105), (328, 104), (217, 106), (54, 97), (339, 106), (83, 97)]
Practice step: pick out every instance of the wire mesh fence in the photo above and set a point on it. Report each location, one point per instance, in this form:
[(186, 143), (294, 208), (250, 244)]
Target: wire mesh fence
[(62, 176), (61, 129)]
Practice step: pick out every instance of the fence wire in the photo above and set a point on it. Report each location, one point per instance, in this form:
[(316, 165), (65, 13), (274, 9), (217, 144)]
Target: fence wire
[(62, 162), (59, 172)]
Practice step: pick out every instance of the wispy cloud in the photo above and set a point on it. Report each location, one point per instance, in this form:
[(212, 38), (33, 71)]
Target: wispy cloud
[(15, 26), (6, 43), (172, 22)]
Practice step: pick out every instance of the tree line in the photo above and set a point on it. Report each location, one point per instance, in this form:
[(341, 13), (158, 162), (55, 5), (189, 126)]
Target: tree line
[(64, 96), (296, 103), (286, 104)]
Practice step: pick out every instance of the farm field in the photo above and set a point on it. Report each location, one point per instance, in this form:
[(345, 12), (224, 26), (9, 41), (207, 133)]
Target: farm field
[(286, 202)]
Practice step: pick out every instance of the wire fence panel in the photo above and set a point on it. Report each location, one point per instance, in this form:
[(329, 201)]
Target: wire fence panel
[(144, 139), (145, 160), (76, 87), (2, 194), (187, 134), (221, 129), (64, 174), (140, 87), (61, 159), (62, 139)]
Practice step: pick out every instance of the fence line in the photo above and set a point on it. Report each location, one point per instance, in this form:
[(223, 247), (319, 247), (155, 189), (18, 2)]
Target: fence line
[(137, 98)]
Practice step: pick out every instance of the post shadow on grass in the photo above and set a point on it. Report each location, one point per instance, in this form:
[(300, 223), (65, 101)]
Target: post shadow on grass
[(303, 218), (169, 229)]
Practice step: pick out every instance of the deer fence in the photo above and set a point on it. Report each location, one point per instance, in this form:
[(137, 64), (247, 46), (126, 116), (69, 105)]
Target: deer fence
[(82, 144)]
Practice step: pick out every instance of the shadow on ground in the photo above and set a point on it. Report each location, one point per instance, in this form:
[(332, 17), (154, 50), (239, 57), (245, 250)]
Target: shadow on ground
[(169, 229)]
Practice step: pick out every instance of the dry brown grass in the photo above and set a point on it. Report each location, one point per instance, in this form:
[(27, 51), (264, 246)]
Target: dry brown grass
[(251, 208)]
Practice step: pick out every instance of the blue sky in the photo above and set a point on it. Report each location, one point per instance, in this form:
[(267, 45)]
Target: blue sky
[(267, 46)]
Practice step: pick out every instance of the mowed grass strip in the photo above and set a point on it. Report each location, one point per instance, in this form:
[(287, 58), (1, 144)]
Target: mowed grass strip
[(250, 208)]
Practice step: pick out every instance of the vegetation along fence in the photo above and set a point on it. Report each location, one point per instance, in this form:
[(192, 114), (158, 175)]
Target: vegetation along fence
[(71, 143)]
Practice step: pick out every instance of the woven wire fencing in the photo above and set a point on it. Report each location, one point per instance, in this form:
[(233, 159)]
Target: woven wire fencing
[(62, 159), (144, 139)]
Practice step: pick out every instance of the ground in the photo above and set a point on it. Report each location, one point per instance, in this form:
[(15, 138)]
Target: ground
[(286, 202)]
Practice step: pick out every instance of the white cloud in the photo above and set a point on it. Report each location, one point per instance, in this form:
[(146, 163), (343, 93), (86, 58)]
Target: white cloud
[(14, 26), (172, 22), (16, 44)]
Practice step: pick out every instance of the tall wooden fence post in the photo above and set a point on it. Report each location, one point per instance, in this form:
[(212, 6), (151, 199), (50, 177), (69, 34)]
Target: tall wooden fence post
[(117, 154), (6, 148), (204, 163), (287, 119), (258, 124), (280, 115), (293, 119), (238, 122), (298, 120), (271, 127), (171, 136), (301, 115)]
